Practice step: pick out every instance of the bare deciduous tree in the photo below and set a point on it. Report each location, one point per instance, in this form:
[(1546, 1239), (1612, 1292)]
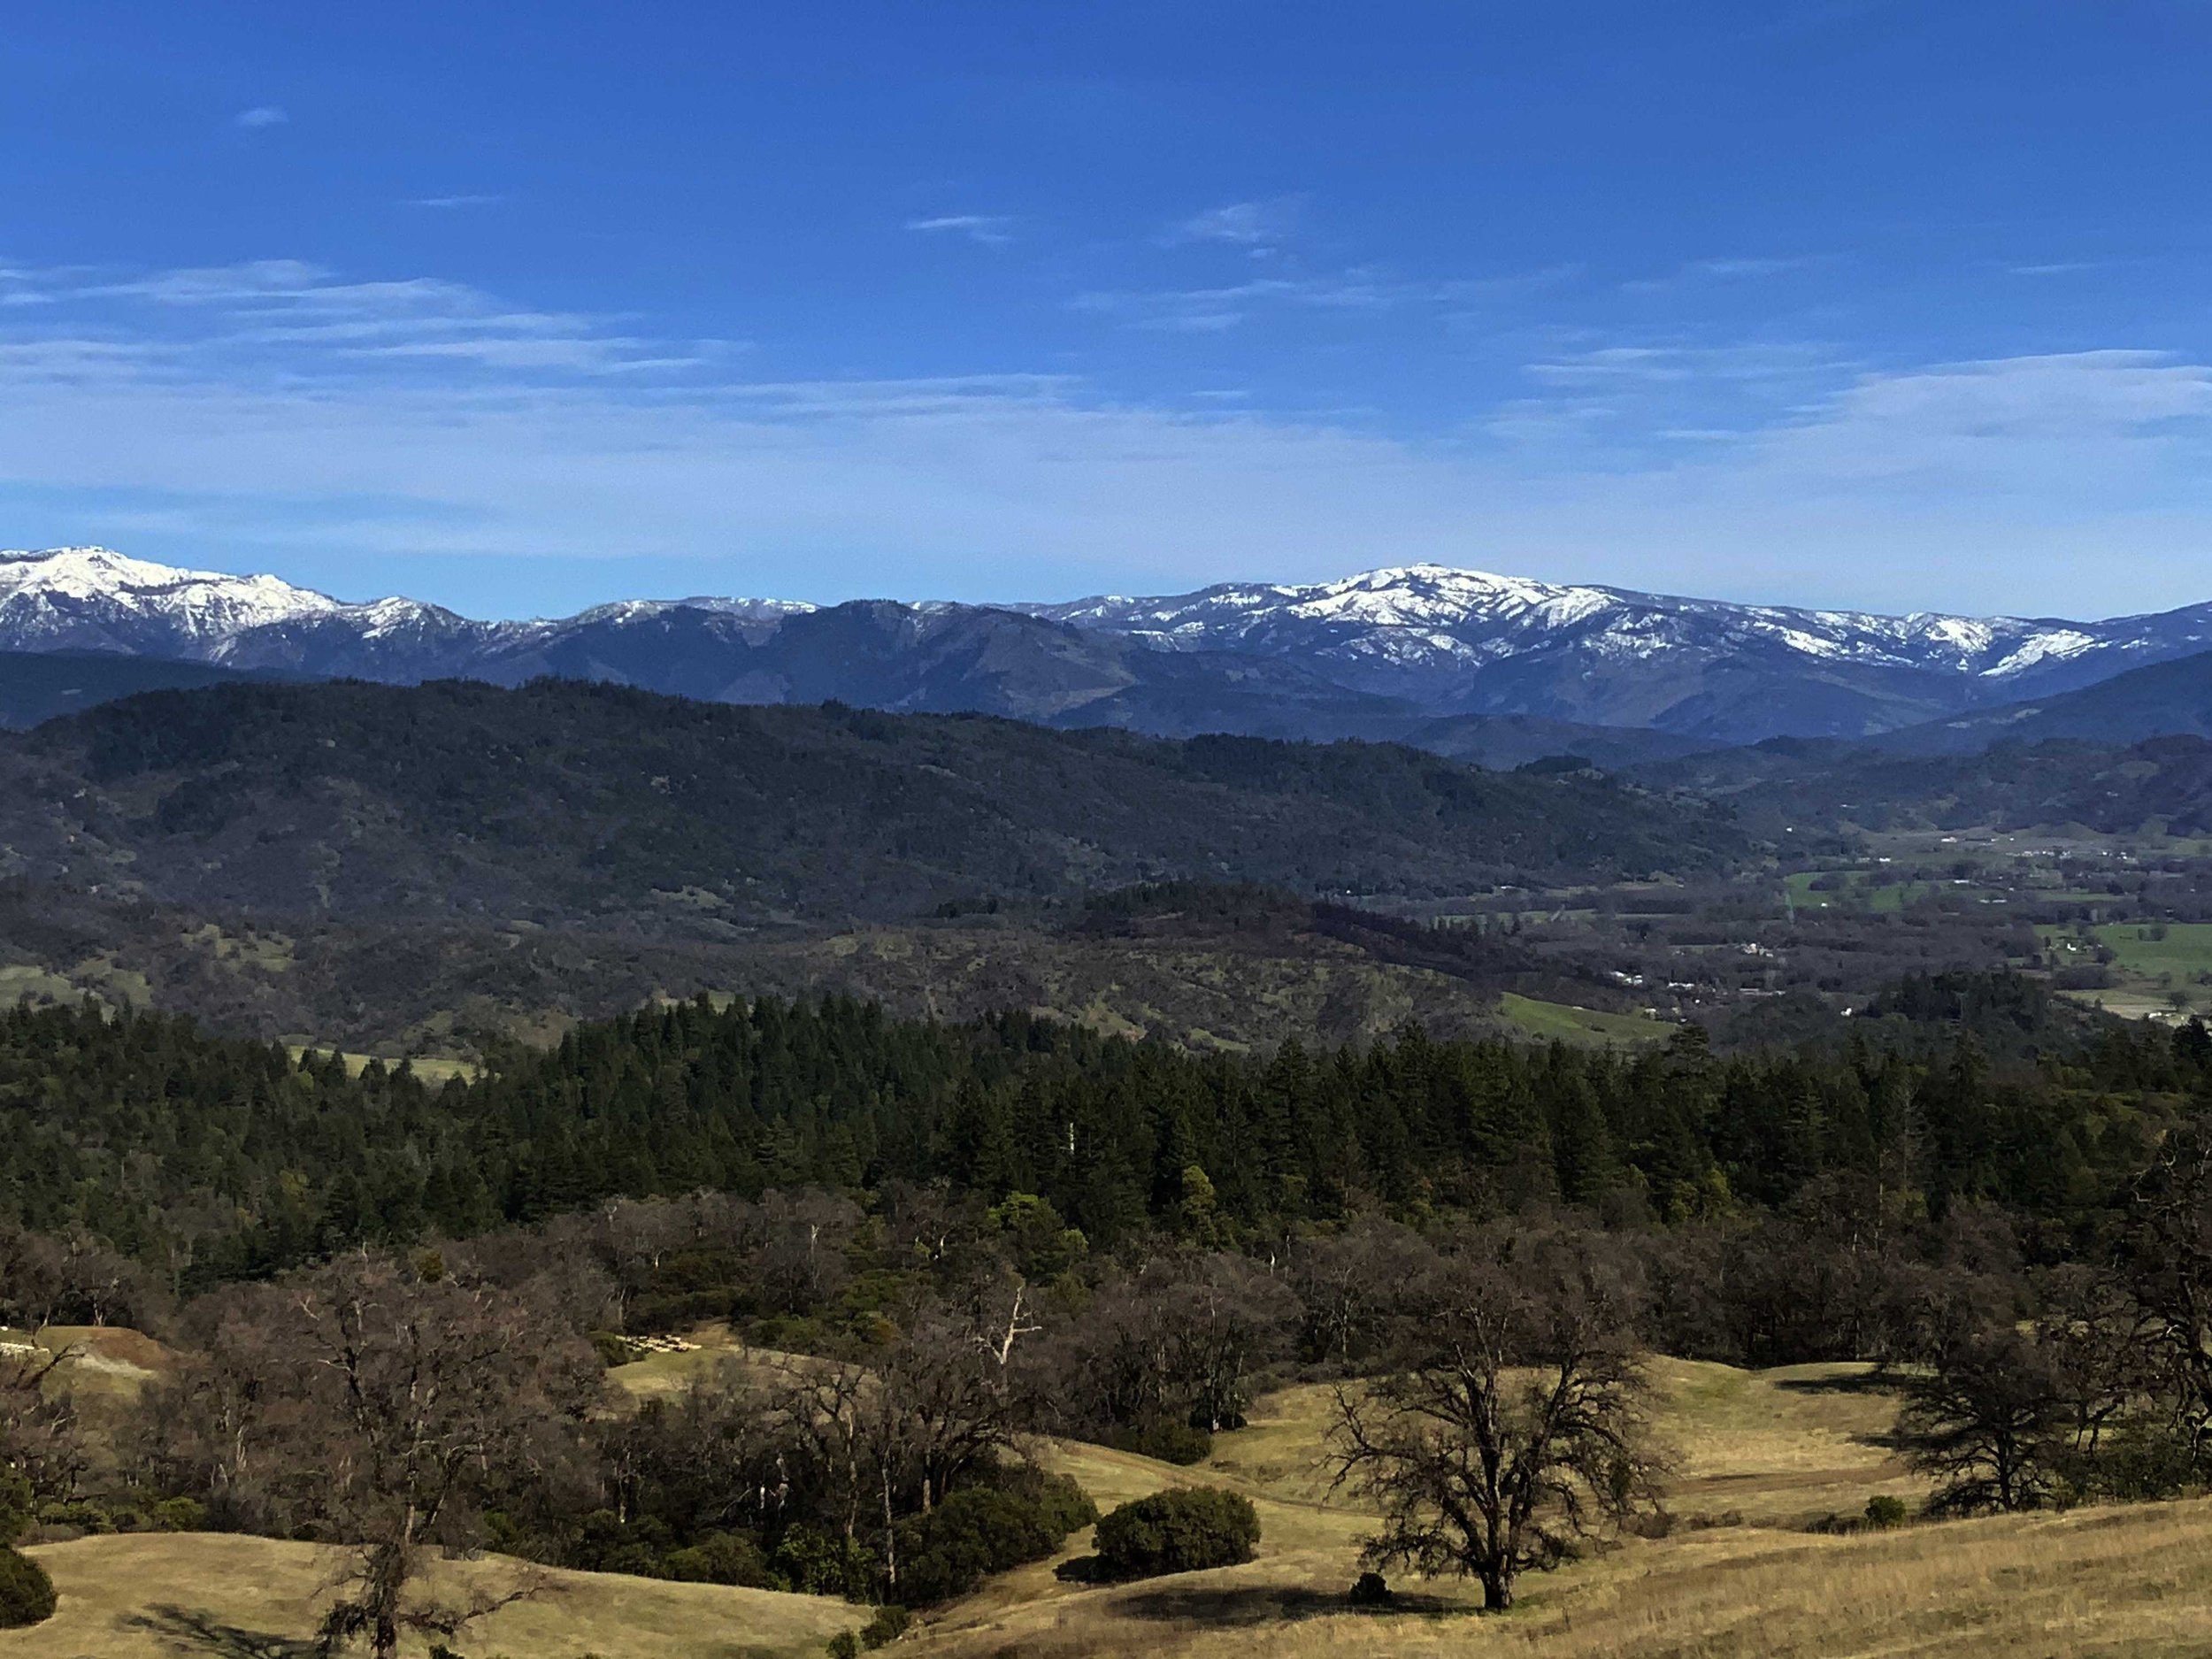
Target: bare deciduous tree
[(384, 1405), (2166, 1255), (1511, 1429), (39, 1432), (1986, 1421), (1347, 1284)]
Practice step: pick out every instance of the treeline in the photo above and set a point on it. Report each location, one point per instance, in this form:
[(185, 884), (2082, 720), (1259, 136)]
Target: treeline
[(936, 1239), (867, 1442), (202, 1159)]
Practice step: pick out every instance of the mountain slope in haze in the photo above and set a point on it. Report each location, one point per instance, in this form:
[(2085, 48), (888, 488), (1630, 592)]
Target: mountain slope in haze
[(2162, 700), (1374, 656), (38, 686), (564, 800), (1791, 786)]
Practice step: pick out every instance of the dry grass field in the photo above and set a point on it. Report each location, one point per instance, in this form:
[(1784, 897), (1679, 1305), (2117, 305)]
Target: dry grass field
[(177, 1596), (1757, 1456)]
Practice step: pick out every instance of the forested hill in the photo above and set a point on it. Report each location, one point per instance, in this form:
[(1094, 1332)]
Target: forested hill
[(210, 1157), (562, 801), (2163, 783)]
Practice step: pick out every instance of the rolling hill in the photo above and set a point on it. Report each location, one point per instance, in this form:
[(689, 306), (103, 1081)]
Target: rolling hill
[(2162, 700), (564, 802)]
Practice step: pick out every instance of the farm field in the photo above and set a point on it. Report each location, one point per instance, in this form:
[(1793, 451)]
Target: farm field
[(2153, 965), (1569, 1023)]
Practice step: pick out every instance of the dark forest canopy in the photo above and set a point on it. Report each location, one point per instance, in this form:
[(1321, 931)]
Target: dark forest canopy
[(2162, 784), (210, 1158), (562, 801)]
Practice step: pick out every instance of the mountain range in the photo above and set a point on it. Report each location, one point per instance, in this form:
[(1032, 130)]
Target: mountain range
[(1489, 669)]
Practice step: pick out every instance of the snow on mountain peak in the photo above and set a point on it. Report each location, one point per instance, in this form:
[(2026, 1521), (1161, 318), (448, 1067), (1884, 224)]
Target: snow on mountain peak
[(93, 598), (79, 594), (1432, 635)]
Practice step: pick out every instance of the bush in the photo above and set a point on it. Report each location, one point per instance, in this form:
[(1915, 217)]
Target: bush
[(824, 1563), (1178, 1530), (18, 1504), (1371, 1590), (613, 1350), (888, 1625), (977, 1531), (1169, 1442), (26, 1595), (80, 1517), (1884, 1512), (1062, 1505), (844, 1644), (177, 1515), (719, 1558)]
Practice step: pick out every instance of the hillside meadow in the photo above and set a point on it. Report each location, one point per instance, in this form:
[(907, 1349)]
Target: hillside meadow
[(1759, 1458)]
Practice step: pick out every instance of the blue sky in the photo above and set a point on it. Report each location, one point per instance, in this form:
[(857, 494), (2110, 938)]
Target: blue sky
[(520, 307)]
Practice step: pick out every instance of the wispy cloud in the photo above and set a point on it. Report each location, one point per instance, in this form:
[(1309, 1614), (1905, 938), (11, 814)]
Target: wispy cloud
[(1252, 225), (989, 228), (257, 311), (1351, 292), (292, 407), (446, 202), (1736, 268), (260, 115)]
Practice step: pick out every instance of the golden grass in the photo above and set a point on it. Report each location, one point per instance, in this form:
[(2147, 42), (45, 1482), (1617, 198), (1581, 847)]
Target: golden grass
[(1768, 1450), (1761, 1453), (718, 1347), (165, 1596)]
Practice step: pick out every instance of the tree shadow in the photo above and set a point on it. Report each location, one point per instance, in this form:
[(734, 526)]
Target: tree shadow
[(195, 1631), (1861, 1383), (1241, 1604), (1261, 1604)]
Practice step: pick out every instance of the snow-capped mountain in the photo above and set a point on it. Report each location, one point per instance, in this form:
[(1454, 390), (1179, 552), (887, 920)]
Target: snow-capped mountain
[(1464, 640), (1422, 620), (95, 599), (1425, 653)]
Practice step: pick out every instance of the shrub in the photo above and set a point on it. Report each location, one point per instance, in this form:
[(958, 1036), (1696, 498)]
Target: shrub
[(844, 1644), (1884, 1512), (80, 1517), (26, 1595), (1169, 1441), (719, 1558), (1371, 1590), (177, 1515), (1062, 1505), (1178, 1530), (977, 1531), (888, 1625), (613, 1350), (824, 1563), (18, 1504)]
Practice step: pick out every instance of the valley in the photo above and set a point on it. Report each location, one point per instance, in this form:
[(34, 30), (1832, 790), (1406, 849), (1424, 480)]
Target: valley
[(843, 1161)]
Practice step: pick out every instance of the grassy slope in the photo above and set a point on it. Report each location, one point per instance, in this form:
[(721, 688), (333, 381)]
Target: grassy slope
[(157, 1596), (1760, 1453), (1569, 1023), (1756, 1456)]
